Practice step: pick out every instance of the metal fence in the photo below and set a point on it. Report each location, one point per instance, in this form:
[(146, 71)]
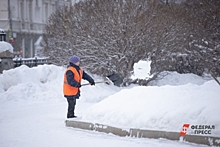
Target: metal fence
[(30, 62)]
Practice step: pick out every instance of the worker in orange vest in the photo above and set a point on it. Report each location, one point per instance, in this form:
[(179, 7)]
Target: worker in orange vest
[(72, 79)]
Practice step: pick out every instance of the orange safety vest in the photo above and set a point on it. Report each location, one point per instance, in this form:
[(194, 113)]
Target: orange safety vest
[(69, 90)]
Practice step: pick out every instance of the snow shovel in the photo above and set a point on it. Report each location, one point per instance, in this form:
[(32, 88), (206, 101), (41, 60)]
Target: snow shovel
[(107, 81), (116, 79)]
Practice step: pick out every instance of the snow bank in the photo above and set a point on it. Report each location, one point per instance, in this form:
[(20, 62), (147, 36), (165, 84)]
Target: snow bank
[(45, 82), (176, 79), (22, 83), (23, 74), (161, 108)]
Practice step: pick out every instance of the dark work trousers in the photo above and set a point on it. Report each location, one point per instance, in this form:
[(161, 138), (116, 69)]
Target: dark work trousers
[(71, 107)]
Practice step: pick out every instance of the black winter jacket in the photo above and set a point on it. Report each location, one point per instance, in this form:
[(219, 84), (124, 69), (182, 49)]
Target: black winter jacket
[(72, 82)]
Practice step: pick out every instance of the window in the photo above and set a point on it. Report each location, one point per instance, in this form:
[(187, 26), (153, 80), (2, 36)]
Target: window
[(45, 10), (22, 10), (30, 10), (37, 3)]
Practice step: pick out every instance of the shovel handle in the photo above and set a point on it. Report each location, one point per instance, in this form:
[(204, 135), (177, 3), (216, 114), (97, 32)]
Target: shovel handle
[(95, 82), (214, 78)]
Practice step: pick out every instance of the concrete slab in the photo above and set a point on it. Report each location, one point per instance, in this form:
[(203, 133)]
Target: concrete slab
[(207, 140), (79, 124), (154, 134)]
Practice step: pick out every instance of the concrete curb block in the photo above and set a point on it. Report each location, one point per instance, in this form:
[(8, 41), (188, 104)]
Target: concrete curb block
[(80, 125), (154, 134), (109, 129), (139, 133)]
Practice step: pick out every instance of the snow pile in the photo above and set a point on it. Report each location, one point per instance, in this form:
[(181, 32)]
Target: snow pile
[(36, 75), (176, 79), (38, 83), (160, 108), (4, 46), (44, 82)]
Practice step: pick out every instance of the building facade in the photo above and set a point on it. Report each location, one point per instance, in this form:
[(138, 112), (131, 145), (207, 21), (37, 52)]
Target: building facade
[(24, 21)]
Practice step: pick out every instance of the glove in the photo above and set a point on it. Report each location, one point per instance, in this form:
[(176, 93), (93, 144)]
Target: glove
[(79, 85), (92, 82)]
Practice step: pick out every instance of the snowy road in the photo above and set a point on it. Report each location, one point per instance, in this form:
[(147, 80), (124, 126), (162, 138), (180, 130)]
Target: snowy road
[(41, 124), (33, 109)]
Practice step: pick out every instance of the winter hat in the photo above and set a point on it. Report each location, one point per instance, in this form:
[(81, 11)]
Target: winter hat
[(74, 59)]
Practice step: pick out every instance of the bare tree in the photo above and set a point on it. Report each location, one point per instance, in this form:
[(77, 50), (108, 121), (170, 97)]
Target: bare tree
[(110, 36)]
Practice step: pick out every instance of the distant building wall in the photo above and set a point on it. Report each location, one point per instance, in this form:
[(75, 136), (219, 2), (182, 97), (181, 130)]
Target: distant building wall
[(28, 18), (6, 63)]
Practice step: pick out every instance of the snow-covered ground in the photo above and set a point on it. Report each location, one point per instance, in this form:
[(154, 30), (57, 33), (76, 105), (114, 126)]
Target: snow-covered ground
[(33, 109)]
